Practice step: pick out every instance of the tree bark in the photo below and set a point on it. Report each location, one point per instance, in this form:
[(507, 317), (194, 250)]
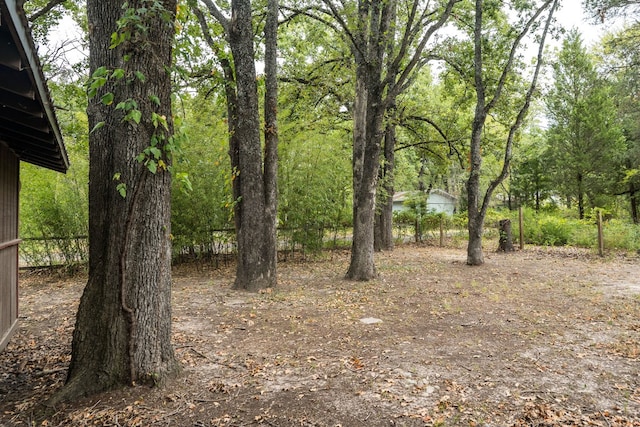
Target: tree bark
[(271, 138), (580, 196), (475, 212), (383, 227), (369, 53), (253, 271), (369, 41), (383, 238), (506, 239), (477, 209), (123, 326), (634, 200), (362, 265)]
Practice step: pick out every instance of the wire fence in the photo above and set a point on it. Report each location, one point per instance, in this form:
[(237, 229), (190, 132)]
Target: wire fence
[(219, 247)]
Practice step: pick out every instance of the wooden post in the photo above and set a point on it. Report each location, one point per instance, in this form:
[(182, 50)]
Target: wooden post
[(520, 223), (600, 235), (441, 230)]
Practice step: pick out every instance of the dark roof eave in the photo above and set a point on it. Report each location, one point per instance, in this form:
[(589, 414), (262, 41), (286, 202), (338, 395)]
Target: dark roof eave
[(19, 23)]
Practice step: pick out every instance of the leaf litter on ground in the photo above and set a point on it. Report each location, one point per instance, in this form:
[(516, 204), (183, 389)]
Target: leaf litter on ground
[(540, 337)]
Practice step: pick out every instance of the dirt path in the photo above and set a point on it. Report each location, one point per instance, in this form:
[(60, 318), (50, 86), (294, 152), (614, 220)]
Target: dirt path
[(540, 337)]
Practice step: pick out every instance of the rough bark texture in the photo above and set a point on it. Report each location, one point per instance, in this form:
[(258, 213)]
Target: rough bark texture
[(362, 265), (478, 208), (369, 110), (383, 237), (476, 212), (383, 227), (271, 137), (633, 201), (255, 267), (375, 92), (123, 326), (505, 243)]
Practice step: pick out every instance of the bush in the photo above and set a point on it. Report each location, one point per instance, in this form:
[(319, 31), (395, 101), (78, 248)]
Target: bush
[(559, 229)]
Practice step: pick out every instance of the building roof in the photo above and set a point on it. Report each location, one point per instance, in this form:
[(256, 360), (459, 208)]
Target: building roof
[(28, 123)]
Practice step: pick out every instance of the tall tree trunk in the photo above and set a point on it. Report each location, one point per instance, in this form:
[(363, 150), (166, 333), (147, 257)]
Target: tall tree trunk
[(369, 42), (383, 238), (383, 227), (123, 326), (634, 200), (362, 265), (369, 110), (476, 213), (271, 138), (254, 178), (254, 271), (580, 197), (477, 208)]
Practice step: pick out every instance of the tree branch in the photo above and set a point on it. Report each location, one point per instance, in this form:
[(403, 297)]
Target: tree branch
[(213, 10), (512, 54), (46, 9), (522, 113)]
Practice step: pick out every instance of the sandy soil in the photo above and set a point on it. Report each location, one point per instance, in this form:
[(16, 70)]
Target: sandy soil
[(540, 337)]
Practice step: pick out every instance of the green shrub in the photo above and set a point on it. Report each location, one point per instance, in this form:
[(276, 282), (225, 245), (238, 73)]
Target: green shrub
[(560, 229), (621, 235)]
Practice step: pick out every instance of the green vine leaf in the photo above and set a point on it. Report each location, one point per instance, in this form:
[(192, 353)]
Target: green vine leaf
[(98, 125), (156, 152), (152, 166), (122, 189), (118, 74), (107, 98), (134, 116)]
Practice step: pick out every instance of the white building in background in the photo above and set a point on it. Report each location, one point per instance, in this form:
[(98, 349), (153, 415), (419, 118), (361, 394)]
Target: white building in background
[(437, 201)]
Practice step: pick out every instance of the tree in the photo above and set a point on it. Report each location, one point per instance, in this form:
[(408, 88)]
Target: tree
[(46, 14), (494, 38), (585, 142), (123, 326), (603, 10), (382, 71), (204, 205), (530, 182), (254, 176), (622, 58)]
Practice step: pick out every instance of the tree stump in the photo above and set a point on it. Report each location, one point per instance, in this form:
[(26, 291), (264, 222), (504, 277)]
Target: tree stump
[(506, 241)]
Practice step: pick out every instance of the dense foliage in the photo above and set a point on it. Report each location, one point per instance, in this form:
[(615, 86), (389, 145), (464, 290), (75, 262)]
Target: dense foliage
[(579, 149)]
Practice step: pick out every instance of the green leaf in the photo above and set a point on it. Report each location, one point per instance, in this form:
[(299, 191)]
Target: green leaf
[(116, 176), (98, 125), (122, 189), (118, 74), (157, 120), (185, 182), (140, 76), (96, 83), (134, 116), (152, 166), (154, 99), (107, 98), (100, 72), (156, 152)]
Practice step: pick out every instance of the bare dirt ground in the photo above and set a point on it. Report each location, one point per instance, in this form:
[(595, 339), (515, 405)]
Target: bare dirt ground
[(541, 337)]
